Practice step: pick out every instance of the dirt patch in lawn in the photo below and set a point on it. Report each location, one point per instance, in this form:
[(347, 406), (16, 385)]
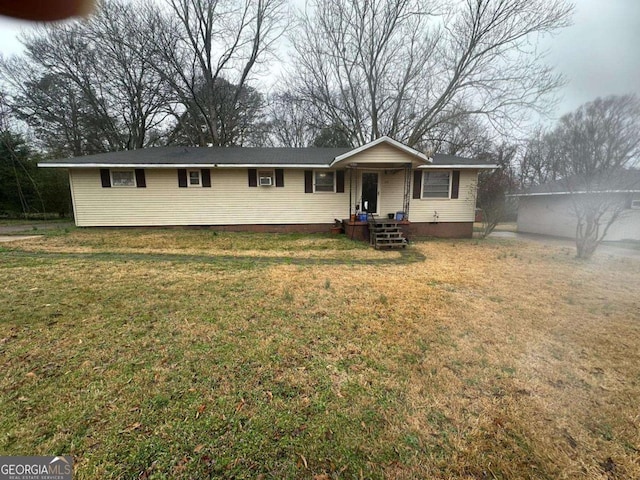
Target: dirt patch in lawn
[(485, 359), (202, 242)]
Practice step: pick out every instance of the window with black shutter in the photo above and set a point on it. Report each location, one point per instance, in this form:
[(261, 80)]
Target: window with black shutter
[(340, 181), (252, 174), (182, 178), (279, 177), (141, 181), (436, 184), (455, 183), (308, 181), (206, 177), (417, 183), (105, 178)]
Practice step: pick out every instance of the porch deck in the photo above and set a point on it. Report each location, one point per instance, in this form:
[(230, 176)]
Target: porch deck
[(378, 232)]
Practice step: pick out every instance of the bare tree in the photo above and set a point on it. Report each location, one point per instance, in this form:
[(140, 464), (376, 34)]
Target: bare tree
[(494, 185), (595, 146), (240, 121), (291, 123), (87, 87), (540, 161), (118, 81), (467, 137), (202, 44), (404, 68), (62, 120), (136, 91)]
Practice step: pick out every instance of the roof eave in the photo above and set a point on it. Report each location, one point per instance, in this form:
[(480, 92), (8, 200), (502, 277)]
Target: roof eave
[(473, 167), (582, 192), (178, 165)]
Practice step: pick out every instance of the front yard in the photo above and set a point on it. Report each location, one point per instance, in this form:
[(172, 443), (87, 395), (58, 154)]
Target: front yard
[(188, 354)]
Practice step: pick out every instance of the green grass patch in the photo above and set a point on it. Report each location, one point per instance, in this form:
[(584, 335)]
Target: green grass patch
[(184, 354)]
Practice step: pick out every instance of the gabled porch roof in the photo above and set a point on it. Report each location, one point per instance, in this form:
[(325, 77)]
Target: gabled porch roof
[(418, 157)]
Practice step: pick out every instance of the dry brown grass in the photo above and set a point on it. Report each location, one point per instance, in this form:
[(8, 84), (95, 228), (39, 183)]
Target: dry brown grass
[(485, 360), (529, 357)]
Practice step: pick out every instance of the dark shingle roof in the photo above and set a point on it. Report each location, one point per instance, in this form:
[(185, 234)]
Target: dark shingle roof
[(445, 160), (210, 156), (629, 180), (232, 156)]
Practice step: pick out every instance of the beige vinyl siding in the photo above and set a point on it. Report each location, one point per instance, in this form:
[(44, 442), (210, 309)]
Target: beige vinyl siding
[(461, 209), (230, 201), (381, 153), (391, 191)]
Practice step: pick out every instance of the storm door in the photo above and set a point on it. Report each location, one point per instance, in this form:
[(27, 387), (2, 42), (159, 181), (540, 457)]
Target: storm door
[(370, 192)]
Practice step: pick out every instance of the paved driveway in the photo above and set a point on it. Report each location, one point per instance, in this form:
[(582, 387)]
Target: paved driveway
[(604, 249), (23, 231), (23, 228)]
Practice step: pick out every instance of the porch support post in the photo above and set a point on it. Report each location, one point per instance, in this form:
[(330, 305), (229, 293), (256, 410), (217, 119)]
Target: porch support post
[(350, 190), (407, 190)]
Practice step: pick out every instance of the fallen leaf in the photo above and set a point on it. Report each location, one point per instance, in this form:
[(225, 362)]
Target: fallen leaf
[(608, 465), (132, 427), (147, 473), (201, 409), (299, 430), (198, 449), (304, 460), (240, 405), (31, 374)]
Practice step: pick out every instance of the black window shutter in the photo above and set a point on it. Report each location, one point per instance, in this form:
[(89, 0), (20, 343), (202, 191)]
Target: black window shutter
[(340, 181), (206, 177), (279, 177), (455, 183), (417, 183), (308, 181), (141, 181), (253, 177), (182, 178), (105, 177)]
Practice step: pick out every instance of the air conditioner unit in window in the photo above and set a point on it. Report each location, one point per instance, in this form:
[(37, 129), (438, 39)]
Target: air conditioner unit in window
[(266, 181)]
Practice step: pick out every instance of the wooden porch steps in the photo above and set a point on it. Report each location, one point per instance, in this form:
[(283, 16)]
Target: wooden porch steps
[(385, 234)]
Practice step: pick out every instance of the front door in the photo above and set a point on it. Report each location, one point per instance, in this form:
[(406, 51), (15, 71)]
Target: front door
[(370, 192)]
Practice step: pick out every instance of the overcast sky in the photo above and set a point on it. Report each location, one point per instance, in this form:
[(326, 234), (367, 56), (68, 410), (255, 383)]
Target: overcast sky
[(599, 54)]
